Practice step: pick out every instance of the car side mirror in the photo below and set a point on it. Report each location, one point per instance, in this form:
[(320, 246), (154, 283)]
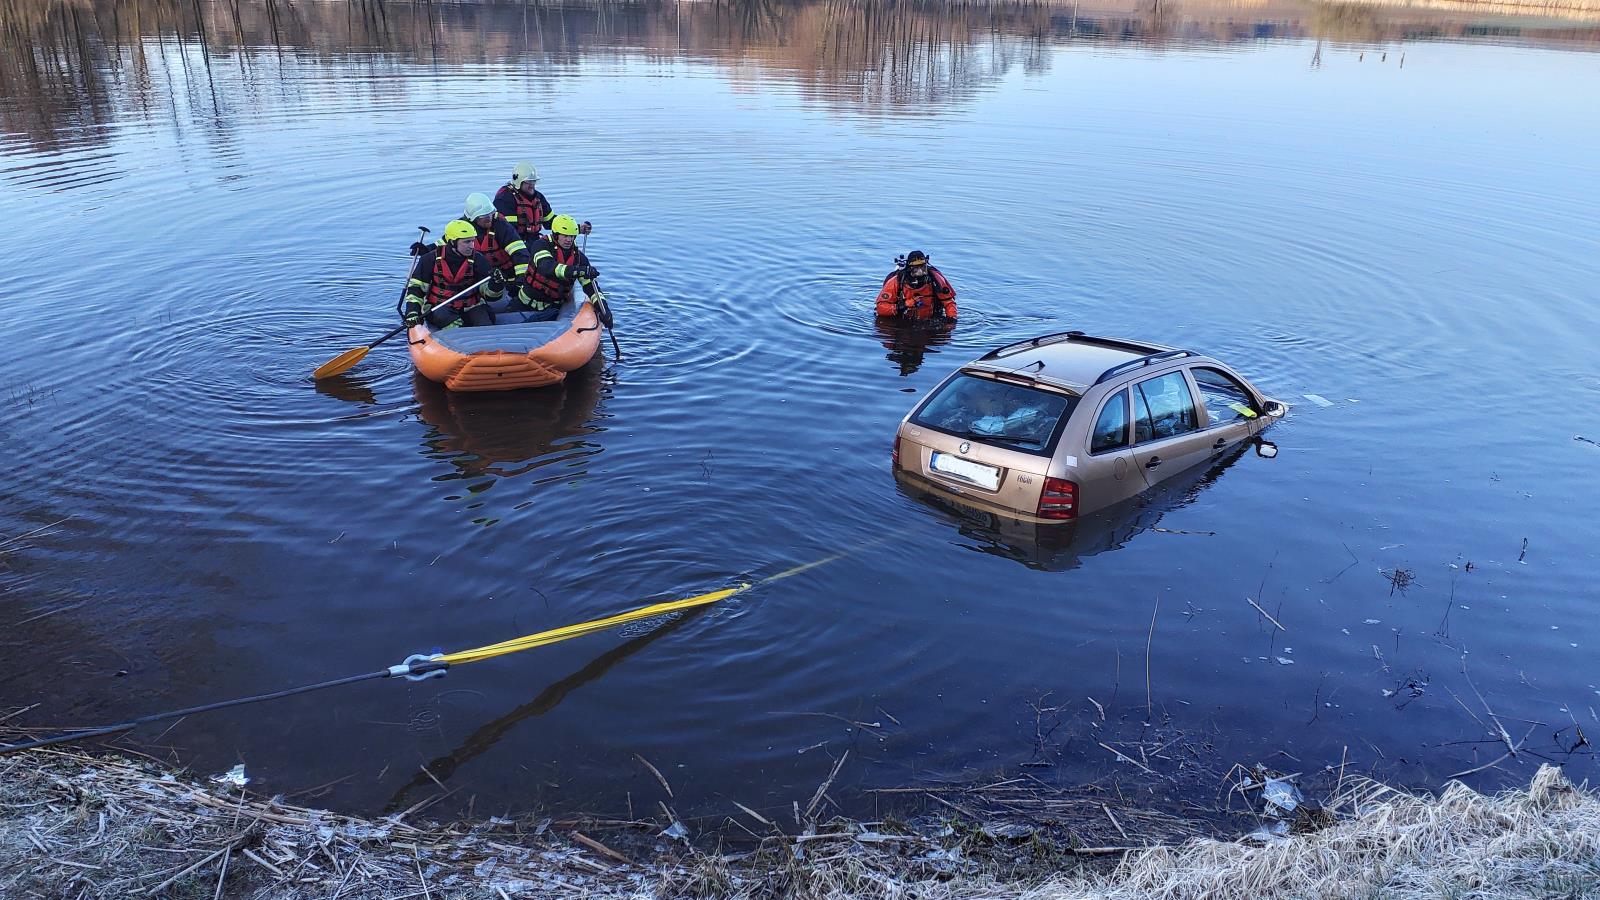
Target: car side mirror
[(1274, 409), (1266, 449)]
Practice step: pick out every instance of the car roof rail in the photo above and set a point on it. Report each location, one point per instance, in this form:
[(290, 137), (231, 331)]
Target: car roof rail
[(1140, 363), (1031, 343), (1058, 337)]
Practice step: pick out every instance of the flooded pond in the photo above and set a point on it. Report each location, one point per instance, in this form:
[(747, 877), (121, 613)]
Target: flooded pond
[(1385, 218)]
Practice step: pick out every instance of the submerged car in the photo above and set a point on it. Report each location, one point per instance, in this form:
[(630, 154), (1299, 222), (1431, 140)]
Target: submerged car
[(1062, 425), (1058, 546)]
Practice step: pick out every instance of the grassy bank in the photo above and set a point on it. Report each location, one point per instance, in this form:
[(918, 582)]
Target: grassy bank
[(77, 824)]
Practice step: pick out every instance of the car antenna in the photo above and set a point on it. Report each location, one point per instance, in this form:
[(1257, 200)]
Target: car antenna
[(1036, 365), (1016, 369)]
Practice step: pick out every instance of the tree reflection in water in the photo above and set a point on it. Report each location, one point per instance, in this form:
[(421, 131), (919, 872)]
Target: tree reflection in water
[(68, 68)]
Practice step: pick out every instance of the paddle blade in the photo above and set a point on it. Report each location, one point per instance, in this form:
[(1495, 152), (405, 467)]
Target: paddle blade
[(340, 364)]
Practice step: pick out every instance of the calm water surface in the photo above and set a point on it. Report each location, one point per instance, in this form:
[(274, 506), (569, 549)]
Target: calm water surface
[(1396, 215)]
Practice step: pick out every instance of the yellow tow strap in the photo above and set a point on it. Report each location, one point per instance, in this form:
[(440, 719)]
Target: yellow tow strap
[(419, 666), (556, 635)]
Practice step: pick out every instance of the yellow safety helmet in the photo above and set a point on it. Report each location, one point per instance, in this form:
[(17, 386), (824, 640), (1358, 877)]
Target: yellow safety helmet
[(459, 229), (564, 225)]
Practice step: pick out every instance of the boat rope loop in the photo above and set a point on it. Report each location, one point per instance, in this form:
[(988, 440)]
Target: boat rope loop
[(419, 666)]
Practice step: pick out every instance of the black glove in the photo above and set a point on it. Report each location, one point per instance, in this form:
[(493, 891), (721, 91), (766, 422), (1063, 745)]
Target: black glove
[(602, 309), (591, 272), (585, 228), (418, 248), (413, 316), (497, 282)]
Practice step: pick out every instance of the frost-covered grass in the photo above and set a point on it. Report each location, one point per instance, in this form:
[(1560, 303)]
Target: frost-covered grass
[(78, 824)]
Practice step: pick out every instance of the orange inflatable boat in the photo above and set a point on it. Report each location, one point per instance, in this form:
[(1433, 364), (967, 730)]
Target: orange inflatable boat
[(512, 353)]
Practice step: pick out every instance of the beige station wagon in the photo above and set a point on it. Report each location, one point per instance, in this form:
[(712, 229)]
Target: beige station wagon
[(1062, 425)]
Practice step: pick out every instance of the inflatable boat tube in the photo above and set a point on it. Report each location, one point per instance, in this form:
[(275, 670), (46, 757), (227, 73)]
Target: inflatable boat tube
[(510, 354)]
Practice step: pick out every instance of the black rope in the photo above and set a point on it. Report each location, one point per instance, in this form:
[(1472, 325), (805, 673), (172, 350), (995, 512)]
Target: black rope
[(180, 713)]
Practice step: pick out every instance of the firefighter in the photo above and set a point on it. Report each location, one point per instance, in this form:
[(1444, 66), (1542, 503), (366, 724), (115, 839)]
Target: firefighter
[(437, 289), (520, 201), (498, 239), (557, 265)]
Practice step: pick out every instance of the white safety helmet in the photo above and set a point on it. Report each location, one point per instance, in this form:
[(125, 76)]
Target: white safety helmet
[(524, 172), (478, 205)]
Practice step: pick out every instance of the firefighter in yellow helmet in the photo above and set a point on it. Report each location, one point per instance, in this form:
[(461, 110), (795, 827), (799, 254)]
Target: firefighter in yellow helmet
[(557, 264), (437, 290)]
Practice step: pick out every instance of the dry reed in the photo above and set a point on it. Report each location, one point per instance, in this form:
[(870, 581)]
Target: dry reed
[(78, 824)]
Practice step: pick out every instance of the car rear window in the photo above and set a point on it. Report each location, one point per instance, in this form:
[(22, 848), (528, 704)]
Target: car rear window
[(1001, 413)]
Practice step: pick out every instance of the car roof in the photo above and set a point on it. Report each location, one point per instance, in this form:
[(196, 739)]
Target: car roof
[(1073, 359)]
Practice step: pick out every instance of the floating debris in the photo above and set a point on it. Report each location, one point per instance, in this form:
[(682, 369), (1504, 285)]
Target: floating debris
[(1282, 797), (1274, 832), (234, 777)]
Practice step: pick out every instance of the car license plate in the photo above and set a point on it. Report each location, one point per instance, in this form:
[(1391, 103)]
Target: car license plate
[(986, 477)]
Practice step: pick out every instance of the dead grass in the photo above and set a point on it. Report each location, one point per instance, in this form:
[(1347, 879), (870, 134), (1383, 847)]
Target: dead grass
[(1540, 842), (74, 824), (86, 825)]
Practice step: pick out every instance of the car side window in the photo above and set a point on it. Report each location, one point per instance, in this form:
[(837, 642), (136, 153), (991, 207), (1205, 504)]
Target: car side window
[(1111, 430), (1226, 400), (1163, 408)]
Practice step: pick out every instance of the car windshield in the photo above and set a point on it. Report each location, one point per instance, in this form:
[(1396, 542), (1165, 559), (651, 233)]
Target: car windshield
[(996, 412)]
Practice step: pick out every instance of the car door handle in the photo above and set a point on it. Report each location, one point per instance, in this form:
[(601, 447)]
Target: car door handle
[(1219, 443), (1152, 462)]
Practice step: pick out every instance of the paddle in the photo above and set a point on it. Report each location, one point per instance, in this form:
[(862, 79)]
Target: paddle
[(602, 309), (347, 360)]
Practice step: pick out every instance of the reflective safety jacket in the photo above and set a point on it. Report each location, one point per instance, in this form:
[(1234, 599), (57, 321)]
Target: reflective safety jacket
[(528, 214), (503, 247), (934, 299), (548, 281), (441, 274)]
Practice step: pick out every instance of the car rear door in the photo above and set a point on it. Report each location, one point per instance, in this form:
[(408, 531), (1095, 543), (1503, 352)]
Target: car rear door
[(1166, 427), (1106, 474), (1228, 407)]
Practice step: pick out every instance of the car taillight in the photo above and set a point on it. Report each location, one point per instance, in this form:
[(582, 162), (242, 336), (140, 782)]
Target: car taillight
[(1059, 499), (894, 455)]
